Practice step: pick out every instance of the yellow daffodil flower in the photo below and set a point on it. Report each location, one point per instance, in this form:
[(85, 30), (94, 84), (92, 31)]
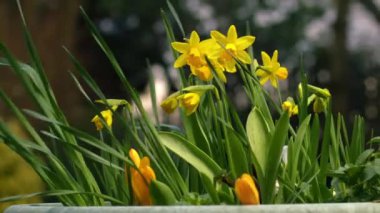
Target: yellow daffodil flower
[(246, 190), (232, 46), (190, 101), (290, 106), (107, 116), (169, 104), (140, 180), (271, 69), (193, 53)]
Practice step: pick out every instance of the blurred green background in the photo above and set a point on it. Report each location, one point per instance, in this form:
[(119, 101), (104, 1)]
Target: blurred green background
[(339, 41)]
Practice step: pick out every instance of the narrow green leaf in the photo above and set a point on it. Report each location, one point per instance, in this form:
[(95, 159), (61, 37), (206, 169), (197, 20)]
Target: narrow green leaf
[(314, 138), (176, 17), (196, 133), (171, 38), (301, 132), (191, 154), (325, 149), (236, 155), (210, 188), (277, 143)]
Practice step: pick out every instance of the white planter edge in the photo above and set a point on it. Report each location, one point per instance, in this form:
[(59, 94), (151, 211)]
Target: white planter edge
[(323, 207)]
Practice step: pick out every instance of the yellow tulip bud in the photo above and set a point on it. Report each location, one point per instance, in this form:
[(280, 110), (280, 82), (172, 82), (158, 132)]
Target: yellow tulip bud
[(140, 180), (246, 190)]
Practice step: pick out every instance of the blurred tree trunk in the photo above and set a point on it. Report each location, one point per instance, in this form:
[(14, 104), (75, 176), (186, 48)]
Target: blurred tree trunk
[(340, 71), (52, 24)]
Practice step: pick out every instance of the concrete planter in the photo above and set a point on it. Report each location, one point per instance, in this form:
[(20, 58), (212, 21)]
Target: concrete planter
[(325, 207)]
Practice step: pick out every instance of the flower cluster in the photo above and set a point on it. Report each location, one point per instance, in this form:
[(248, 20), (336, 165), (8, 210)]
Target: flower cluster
[(218, 54), (222, 51)]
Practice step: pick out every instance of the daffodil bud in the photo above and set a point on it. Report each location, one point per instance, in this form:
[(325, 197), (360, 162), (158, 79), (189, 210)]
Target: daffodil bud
[(290, 106), (169, 104), (190, 101), (141, 179), (323, 93), (246, 191), (106, 115), (319, 105)]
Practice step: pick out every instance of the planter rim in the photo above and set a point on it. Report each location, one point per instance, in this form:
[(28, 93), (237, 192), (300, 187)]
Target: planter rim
[(312, 207)]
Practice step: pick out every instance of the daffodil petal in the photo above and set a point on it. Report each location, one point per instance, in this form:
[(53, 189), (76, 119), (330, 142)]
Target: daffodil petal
[(181, 61), (148, 173), (244, 57), (221, 75), (264, 80), (208, 45), (261, 73), (275, 57), (274, 82), (218, 37), (193, 70), (266, 58), (282, 73), (230, 66), (244, 42), (204, 73), (144, 162), (232, 34), (194, 38), (134, 157), (180, 46)]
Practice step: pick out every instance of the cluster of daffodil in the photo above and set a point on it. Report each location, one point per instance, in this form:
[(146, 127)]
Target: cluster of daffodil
[(218, 54), (220, 50)]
